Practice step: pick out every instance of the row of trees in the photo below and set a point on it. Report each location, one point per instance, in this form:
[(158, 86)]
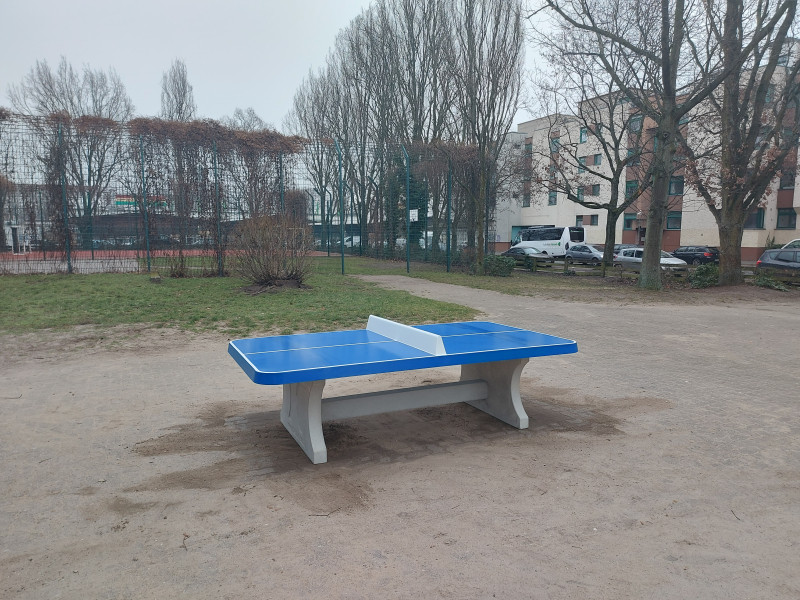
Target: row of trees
[(76, 128), (717, 86), (432, 86), (442, 79)]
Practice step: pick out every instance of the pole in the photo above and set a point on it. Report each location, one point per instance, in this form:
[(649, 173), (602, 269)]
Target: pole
[(41, 226), (408, 210), (89, 204), (280, 177), (486, 218), (144, 204), (220, 269), (64, 198), (449, 202), (341, 203)]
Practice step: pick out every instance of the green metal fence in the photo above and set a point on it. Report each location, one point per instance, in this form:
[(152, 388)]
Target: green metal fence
[(90, 195)]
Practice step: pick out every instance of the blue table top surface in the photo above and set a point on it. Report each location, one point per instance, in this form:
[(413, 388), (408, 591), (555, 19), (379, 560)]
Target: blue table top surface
[(294, 358)]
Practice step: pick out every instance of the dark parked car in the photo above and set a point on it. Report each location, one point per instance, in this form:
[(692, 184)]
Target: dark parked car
[(697, 255), (618, 247), (780, 263)]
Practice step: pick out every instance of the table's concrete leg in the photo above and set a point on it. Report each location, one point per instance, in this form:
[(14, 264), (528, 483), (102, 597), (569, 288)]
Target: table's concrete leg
[(503, 401), (301, 414)]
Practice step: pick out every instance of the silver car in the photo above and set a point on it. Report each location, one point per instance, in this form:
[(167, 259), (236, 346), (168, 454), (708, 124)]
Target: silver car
[(631, 259), (584, 253), (520, 253)]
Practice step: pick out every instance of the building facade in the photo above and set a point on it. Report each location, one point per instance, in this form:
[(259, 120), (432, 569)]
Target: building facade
[(568, 157)]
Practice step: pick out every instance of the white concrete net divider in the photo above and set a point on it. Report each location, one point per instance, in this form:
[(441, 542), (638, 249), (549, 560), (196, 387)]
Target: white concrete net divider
[(405, 334)]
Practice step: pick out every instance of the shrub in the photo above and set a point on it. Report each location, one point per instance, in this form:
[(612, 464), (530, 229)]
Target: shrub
[(704, 276), (765, 281), (273, 250), (498, 266)]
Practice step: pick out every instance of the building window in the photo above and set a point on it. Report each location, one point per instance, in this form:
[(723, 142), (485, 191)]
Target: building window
[(629, 223), (582, 164), (579, 221), (787, 180), (526, 200), (583, 135), (634, 157), (596, 189), (580, 194), (635, 124), (787, 218), (593, 220), (529, 149), (676, 185), (631, 188), (674, 220), (770, 93), (555, 144), (598, 159), (552, 198), (755, 219)]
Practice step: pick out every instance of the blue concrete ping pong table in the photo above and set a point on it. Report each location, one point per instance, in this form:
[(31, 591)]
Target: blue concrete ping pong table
[(491, 356)]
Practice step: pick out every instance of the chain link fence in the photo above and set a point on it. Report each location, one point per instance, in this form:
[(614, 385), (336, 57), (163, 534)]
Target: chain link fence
[(92, 195)]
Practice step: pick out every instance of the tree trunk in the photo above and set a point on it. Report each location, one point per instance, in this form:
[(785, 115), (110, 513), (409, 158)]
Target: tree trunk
[(730, 256), (611, 239), (650, 275)]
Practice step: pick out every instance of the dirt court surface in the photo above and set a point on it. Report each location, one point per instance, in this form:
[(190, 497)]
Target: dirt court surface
[(662, 461)]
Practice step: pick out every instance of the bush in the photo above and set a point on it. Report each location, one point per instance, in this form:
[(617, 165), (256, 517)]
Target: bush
[(765, 281), (498, 266), (704, 276), (273, 250)]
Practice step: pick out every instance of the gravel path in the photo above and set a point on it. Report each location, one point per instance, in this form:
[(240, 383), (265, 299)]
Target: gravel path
[(662, 461)]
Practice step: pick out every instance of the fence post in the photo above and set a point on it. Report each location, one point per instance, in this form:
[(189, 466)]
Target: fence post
[(280, 177), (449, 204), (41, 226), (144, 205), (408, 209), (89, 205), (220, 267), (341, 203), (63, 169)]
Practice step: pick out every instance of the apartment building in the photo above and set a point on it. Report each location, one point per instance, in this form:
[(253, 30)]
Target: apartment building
[(568, 158)]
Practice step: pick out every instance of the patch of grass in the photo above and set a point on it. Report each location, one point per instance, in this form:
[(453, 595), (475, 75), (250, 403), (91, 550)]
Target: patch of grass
[(329, 302)]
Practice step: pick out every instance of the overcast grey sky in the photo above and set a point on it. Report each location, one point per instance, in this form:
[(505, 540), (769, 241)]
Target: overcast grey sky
[(238, 53)]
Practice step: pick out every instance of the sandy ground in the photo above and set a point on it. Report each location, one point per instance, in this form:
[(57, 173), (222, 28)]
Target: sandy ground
[(662, 461)]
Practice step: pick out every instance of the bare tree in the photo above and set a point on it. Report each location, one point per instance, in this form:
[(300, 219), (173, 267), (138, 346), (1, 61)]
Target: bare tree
[(594, 132), (487, 64), (177, 94), (90, 107), (657, 73), (752, 127), (313, 116), (247, 120)]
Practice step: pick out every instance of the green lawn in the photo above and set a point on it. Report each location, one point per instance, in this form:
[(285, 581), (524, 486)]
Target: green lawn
[(329, 301)]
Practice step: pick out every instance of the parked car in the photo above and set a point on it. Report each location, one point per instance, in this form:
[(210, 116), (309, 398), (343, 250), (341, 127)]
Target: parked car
[(792, 244), (584, 253), (522, 253), (618, 247), (697, 255), (781, 263), (631, 258)]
